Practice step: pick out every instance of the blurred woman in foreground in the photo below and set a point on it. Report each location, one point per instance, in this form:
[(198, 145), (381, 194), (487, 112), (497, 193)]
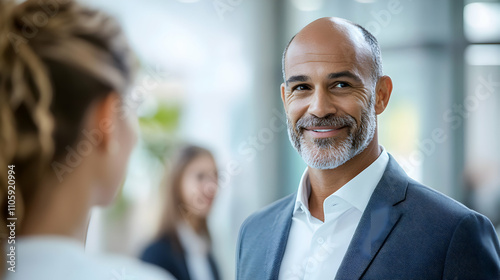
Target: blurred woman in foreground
[(65, 137), (183, 245)]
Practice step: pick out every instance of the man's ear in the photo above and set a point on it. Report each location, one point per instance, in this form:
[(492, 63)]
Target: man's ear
[(383, 92), (283, 90)]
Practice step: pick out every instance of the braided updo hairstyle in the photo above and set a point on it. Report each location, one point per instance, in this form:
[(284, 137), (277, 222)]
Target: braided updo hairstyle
[(56, 59)]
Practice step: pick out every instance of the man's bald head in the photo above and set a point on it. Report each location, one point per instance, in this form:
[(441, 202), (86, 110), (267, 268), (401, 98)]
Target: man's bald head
[(351, 31)]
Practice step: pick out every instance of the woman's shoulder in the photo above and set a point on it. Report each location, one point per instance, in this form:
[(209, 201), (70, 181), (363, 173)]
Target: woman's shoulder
[(121, 267), (163, 248), (59, 258)]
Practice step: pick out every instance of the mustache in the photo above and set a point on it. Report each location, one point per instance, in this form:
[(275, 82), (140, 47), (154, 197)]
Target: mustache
[(329, 120)]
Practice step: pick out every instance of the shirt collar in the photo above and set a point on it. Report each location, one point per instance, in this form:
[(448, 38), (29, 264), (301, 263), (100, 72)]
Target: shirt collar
[(302, 200), (356, 192)]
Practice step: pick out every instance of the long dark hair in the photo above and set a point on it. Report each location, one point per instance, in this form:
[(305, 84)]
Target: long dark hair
[(175, 209)]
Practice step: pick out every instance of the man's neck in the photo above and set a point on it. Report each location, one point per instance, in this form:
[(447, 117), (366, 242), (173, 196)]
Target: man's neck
[(325, 182)]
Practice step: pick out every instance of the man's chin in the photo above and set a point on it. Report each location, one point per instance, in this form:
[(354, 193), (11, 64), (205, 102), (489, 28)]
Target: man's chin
[(325, 164), (326, 157), (320, 161)]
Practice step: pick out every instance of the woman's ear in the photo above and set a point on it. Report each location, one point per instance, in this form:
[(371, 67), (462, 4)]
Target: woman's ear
[(383, 92), (113, 151), (106, 115)]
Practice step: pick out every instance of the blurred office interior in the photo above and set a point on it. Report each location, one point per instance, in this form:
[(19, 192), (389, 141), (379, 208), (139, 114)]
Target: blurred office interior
[(210, 75)]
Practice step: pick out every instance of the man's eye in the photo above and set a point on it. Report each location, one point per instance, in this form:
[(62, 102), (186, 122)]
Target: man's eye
[(300, 87), (341, 85)]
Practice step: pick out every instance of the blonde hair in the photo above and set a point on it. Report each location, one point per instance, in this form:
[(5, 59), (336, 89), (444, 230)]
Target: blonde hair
[(56, 58)]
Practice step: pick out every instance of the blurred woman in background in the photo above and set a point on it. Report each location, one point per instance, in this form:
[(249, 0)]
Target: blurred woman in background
[(65, 138), (183, 245)]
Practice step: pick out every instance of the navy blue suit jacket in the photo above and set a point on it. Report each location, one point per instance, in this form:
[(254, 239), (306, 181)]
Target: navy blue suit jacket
[(408, 231), (164, 253)]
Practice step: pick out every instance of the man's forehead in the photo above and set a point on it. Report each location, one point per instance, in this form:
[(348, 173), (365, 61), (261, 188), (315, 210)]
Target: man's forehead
[(329, 55), (328, 40), (345, 56)]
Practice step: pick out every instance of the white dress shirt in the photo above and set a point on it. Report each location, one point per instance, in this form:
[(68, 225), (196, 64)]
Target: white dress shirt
[(196, 250), (53, 257), (315, 249)]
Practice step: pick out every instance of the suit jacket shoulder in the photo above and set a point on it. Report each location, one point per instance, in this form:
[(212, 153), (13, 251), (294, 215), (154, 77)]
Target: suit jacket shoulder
[(262, 237), (430, 201), (267, 215), (461, 242), (410, 231), (164, 253)]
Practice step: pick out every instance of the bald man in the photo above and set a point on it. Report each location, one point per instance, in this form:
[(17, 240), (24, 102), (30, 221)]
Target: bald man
[(356, 214)]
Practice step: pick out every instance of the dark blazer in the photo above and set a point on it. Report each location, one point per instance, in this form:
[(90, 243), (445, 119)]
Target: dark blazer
[(165, 253), (408, 231)]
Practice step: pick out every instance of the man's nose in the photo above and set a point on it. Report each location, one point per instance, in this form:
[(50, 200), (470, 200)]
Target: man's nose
[(321, 103)]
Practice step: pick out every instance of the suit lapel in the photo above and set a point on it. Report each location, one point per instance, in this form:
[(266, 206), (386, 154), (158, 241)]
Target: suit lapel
[(377, 222), (213, 266), (278, 237)]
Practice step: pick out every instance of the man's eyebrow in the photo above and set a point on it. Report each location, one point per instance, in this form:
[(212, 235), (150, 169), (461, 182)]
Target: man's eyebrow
[(331, 76), (298, 78), (344, 74)]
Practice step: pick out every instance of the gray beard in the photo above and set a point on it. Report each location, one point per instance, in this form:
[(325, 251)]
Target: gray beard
[(330, 153)]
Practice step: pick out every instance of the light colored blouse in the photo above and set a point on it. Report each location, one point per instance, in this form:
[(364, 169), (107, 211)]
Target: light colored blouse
[(62, 258), (196, 250)]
